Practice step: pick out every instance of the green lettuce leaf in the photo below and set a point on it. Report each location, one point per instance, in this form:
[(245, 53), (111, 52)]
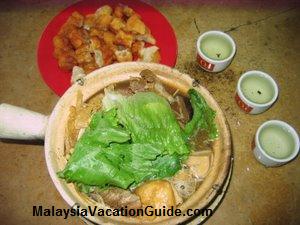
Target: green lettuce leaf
[(120, 165), (134, 139), (203, 117), (150, 119)]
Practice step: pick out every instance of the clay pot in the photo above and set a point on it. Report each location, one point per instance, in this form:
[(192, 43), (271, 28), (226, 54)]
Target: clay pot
[(19, 123)]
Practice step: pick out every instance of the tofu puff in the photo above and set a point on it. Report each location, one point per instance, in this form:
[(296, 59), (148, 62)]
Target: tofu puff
[(109, 35)]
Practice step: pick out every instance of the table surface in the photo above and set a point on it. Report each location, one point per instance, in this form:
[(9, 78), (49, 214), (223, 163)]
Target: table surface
[(267, 38)]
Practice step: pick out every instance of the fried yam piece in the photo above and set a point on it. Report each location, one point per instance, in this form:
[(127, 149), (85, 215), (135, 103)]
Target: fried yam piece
[(147, 37), (98, 58), (89, 21), (116, 25), (77, 38), (118, 12), (109, 38), (136, 25), (150, 54), (123, 55), (104, 10), (124, 39), (96, 32), (127, 11), (136, 49), (107, 54), (83, 54), (103, 22), (61, 42), (66, 62), (95, 43), (76, 19)]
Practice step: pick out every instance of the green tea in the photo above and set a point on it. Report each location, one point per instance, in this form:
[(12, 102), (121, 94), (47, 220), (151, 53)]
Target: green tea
[(257, 89), (216, 47), (276, 141)]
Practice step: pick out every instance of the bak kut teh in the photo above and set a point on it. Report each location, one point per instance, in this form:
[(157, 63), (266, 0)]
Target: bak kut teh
[(139, 143)]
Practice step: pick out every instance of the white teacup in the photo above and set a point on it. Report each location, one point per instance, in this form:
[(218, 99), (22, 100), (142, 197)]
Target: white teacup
[(256, 92), (215, 50), (276, 143)]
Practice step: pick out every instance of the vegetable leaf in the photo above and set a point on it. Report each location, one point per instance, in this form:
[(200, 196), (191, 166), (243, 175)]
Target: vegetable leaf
[(136, 139), (203, 117), (149, 119)]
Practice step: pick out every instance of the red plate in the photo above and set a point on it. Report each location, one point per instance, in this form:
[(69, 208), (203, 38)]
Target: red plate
[(59, 80)]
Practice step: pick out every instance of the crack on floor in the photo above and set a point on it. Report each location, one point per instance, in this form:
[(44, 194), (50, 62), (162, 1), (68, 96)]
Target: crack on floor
[(249, 23), (196, 25)]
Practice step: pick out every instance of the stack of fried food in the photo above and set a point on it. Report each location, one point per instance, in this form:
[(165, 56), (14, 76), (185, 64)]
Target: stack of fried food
[(105, 37)]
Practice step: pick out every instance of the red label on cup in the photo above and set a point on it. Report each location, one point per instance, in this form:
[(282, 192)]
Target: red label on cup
[(204, 63), (242, 104)]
